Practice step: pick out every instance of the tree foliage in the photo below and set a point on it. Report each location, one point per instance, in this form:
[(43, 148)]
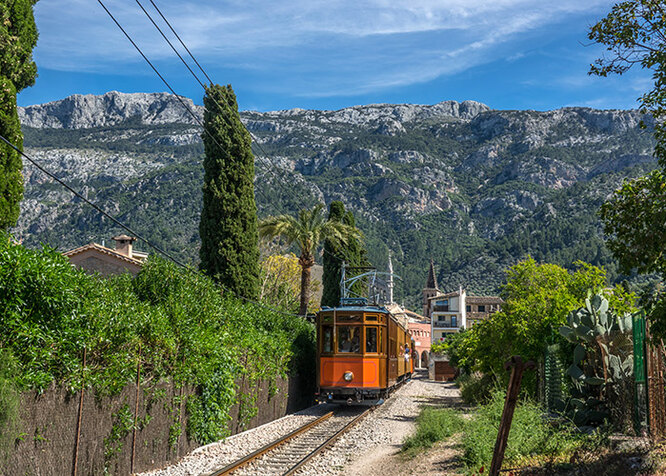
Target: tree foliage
[(18, 37), (634, 217), (353, 253), (176, 322), (228, 226), (634, 32), (538, 298), (281, 283), (635, 221), (307, 231)]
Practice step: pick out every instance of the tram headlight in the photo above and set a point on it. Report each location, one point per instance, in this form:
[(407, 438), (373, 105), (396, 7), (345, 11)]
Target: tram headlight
[(348, 376)]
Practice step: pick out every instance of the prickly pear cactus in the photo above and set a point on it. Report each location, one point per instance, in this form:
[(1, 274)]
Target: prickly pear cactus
[(601, 338)]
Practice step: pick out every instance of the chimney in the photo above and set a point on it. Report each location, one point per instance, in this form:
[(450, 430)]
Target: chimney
[(124, 244)]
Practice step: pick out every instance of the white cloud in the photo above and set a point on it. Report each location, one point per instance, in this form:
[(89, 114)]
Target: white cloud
[(443, 36)]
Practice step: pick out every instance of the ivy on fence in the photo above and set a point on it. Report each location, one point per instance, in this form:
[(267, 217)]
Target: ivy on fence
[(187, 330)]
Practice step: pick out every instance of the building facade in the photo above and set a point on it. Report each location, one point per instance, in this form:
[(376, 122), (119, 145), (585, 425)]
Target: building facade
[(454, 311), (98, 259), (448, 314)]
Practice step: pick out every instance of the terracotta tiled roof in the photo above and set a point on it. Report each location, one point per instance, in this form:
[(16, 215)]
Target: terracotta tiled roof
[(104, 250)]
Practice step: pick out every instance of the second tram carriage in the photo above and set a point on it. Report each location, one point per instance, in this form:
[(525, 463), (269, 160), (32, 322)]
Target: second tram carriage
[(363, 353)]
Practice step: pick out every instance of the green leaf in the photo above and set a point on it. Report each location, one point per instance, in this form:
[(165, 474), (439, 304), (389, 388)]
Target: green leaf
[(578, 403), (567, 332), (588, 320), (579, 354), (594, 381), (575, 372), (603, 308)]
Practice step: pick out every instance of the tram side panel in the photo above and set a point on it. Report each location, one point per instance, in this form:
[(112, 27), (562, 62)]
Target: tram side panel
[(393, 353)]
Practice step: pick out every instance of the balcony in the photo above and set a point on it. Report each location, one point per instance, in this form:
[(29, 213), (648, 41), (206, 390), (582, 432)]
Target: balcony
[(441, 308), (445, 324)]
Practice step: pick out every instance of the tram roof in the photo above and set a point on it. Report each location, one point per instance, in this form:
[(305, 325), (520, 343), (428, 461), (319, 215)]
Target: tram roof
[(356, 309)]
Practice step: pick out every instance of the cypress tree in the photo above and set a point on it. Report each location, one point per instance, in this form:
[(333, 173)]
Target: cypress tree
[(332, 262), (354, 254), (18, 36), (228, 226)]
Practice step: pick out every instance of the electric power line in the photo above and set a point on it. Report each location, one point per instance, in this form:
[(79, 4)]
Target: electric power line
[(264, 157), (181, 41), (271, 166), (180, 99), (178, 96)]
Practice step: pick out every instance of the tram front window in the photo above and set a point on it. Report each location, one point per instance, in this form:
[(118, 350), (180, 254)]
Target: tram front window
[(327, 339), (371, 339), (349, 339)]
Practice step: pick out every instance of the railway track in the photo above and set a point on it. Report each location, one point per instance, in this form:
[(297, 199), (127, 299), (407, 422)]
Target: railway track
[(286, 455)]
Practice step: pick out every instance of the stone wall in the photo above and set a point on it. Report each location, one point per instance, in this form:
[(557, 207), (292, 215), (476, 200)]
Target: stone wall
[(107, 444)]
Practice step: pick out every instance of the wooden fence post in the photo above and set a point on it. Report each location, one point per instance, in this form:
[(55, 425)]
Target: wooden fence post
[(517, 367), (78, 421), (136, 409)]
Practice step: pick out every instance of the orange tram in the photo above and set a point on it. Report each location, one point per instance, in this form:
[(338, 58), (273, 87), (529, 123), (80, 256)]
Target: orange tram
[(363, 353)]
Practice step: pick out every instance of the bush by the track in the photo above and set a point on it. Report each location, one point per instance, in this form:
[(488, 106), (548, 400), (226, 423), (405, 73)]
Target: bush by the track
[(178, 324)]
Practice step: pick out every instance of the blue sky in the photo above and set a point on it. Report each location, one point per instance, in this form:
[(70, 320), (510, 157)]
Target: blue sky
[(329, 54)]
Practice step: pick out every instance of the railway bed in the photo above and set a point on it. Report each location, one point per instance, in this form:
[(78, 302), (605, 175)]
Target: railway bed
[(287, 455)]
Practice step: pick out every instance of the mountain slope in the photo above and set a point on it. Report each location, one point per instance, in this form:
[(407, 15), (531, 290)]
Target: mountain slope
[(473, 188)]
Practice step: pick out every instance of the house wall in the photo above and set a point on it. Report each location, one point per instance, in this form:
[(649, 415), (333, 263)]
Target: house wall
[(93, 262), (420, 332)]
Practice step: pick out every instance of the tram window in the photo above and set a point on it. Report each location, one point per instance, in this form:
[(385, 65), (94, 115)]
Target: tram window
[(371, 317), (348, 318), (349, 339), (327, 339), (371, 339), (382, 330)]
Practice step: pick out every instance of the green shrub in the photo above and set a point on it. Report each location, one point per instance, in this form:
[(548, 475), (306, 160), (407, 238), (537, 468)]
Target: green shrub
[(476, 388), (432, 425), (531, 435), (176, 323)]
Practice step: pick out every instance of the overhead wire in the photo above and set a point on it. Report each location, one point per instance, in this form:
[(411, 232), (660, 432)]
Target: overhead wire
[(178, 97), (190, 112), (181, 41), (187, 107), (130, 230), (196, 77), (271, 167)]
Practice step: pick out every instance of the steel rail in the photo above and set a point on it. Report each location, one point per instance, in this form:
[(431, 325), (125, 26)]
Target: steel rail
[(269, 447), (328, 442)]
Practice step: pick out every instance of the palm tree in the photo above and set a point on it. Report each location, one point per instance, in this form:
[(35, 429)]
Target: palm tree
[(308, 230)]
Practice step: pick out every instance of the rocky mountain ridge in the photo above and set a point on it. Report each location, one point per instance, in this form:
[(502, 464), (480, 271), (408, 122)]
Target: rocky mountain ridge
[(471, 187)]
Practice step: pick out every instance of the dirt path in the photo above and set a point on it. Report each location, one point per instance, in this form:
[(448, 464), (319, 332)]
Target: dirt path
[(399, 416)]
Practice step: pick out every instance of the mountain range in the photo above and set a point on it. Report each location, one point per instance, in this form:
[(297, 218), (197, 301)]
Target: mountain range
[(473, 188)]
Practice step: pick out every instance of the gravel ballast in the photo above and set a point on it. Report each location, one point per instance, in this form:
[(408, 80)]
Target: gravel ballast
[(361, 451)]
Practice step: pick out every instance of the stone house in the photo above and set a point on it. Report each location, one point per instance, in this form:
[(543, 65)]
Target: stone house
[(454, 311), (98, 259)]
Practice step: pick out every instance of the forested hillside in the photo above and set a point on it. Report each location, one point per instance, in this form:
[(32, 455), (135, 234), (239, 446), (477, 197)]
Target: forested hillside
[(472, 188)]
